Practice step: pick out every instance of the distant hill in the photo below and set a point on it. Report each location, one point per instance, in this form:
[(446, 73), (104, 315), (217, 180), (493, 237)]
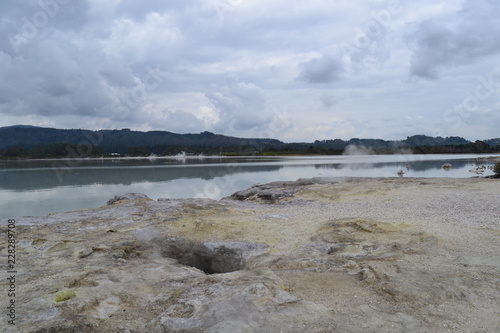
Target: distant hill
[(423, 140), (40, 142), (409, 142), (28, 137), (493, 142), (19, 126)]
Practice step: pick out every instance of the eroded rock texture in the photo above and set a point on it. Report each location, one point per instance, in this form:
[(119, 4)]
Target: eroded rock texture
[(316, 255)]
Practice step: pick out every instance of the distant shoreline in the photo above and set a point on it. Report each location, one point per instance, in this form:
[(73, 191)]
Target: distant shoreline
[(115, 158), (488, 156)]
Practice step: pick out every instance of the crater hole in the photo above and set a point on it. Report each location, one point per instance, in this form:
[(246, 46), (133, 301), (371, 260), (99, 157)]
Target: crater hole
[(211, 258)]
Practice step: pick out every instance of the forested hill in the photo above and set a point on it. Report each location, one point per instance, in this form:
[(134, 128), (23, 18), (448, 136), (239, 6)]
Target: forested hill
[(39, 142), (124, 140)]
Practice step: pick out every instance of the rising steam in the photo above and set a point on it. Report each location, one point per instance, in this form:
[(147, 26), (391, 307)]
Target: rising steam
[(357, 150)]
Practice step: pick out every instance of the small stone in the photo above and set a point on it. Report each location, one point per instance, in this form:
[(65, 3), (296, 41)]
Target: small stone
[(85, 253)]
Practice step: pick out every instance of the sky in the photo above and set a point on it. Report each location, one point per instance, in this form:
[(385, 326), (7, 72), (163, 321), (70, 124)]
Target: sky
[(291, 70)]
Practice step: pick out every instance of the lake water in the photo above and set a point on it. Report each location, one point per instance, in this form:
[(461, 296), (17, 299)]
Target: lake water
[(35, 188)]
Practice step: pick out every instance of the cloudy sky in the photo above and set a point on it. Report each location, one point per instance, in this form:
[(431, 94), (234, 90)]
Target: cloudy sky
[(287, 69)]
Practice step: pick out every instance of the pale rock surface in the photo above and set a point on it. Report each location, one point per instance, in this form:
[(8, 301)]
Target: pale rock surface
[(316, 255)]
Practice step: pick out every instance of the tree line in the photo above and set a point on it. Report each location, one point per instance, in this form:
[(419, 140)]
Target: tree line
[(36, 143), (65, 150)]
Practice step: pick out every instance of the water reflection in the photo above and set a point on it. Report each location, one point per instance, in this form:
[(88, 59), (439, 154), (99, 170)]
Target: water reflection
[(36, 175), (416, 166), (38, 188), (420, 168), (34, 179)]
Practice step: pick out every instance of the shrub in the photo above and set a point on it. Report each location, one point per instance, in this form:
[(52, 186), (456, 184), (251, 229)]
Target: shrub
[(496, 168)]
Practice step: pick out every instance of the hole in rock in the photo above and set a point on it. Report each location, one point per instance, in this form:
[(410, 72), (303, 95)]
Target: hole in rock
[(211, 258)]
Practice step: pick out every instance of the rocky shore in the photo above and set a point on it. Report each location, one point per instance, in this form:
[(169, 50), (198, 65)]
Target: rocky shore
[(314, 255)]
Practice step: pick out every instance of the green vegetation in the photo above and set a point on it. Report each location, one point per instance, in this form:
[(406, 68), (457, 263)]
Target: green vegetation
[(64, 295), (496, 168), (477, 147), (55, 150)]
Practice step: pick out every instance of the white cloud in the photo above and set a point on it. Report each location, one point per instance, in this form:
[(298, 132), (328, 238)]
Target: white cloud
[(241, 106), (182, 122)]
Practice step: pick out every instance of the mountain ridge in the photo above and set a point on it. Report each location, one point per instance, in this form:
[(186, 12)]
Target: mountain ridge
[(125, 141)]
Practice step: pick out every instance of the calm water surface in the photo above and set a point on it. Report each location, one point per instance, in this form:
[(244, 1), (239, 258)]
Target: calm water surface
[(34, 188)]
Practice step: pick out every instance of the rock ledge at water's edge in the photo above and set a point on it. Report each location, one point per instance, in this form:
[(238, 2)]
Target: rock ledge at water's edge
[(315, 255)]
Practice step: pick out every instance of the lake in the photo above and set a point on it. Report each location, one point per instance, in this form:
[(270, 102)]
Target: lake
[(35, 188)]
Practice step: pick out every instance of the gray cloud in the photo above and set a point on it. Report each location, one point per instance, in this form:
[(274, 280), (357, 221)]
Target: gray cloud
[(32, 21), (473, 36), (118, 75), (89, 64), (325, 69), (55, 78), (328, 99)]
